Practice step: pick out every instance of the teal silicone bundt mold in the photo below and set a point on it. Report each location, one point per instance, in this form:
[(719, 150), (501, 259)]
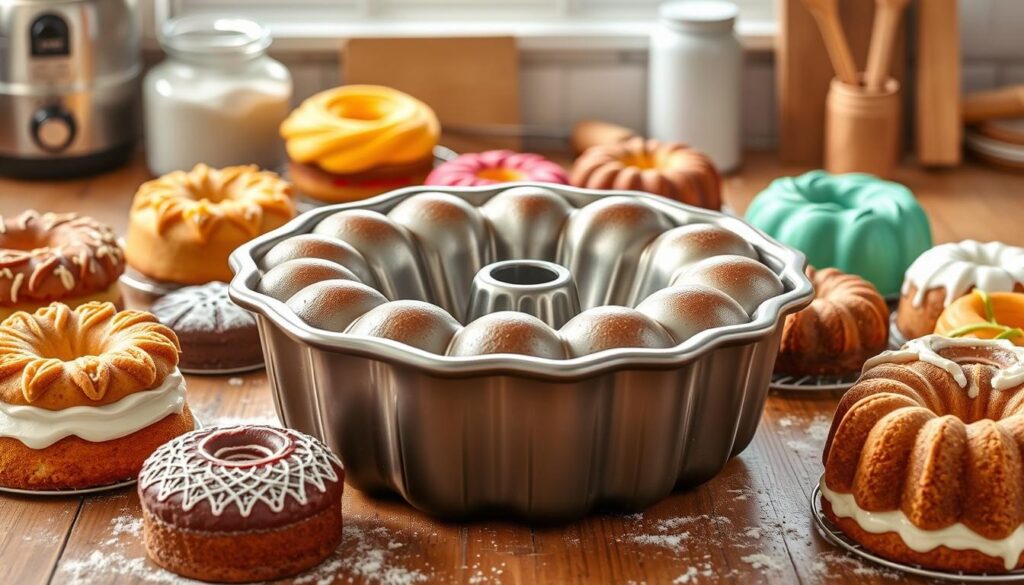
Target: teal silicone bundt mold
[(857, 223)]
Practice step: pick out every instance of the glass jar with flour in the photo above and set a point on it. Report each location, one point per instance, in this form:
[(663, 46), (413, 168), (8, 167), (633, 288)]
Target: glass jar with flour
[(217, 98)]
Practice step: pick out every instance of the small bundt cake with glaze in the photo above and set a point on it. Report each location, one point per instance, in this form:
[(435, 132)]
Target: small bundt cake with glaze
[(56, 257), (496, 166), (949, 271), (217, 336), (847, 323), (241, 504), (670, 169), (85, 395), (183, 226), (982, 315), (923, 459), (857, 223), (357, 141)]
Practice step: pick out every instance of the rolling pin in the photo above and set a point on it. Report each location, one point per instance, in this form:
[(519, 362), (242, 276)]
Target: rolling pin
[(589, 133), (1007, 102)]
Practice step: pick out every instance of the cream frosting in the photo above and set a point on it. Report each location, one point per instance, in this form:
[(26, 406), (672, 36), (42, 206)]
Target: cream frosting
[(956, 536), (39, 428), (992, 267), (926, 349)]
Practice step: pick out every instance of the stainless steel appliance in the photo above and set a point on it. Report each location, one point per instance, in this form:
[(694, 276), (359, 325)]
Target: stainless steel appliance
[(69, 83)]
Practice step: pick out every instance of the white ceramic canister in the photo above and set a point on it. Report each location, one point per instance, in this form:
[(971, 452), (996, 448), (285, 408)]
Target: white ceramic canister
[(694, 79), (217, 98)]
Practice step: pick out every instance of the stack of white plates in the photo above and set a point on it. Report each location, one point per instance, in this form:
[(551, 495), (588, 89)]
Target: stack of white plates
[(998, 142)]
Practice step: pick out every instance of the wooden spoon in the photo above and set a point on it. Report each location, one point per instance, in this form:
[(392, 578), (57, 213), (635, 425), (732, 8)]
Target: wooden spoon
[(883, 38), (826, 14)]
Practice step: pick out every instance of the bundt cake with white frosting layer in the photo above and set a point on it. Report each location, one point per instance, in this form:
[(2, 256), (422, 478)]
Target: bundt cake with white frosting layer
[(923, 461), (949, 271)]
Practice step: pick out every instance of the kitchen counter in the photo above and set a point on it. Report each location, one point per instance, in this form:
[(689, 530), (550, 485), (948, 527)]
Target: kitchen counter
[(749, 524)]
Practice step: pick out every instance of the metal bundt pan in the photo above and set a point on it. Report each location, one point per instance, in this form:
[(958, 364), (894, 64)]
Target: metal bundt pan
[(533, 438)]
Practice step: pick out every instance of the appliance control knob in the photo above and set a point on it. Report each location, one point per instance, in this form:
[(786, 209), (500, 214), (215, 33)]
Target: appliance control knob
[(53, 128)]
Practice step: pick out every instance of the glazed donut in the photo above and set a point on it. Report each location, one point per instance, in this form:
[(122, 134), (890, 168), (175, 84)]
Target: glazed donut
[(183, 226), (496, 166), (670, 169), (240, 504), (56, 257)]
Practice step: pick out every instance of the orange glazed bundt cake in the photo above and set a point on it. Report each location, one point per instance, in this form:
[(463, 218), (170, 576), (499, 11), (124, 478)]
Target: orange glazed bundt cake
[(56, 257), (847, 323), (183, 226), (670, 169), (923, 460), (985, 316), (85, 395)]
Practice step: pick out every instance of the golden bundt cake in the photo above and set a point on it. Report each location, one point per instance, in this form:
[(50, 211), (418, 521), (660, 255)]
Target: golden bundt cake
[(85, 395), (670, 169), (847, 322), (923, 460), (183, 226)]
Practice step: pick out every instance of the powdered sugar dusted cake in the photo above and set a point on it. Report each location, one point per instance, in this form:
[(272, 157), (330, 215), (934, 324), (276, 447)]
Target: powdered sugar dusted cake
[(216, 335)]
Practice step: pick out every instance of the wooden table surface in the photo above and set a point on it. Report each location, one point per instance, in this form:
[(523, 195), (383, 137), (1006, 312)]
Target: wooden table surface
[(750, 524)]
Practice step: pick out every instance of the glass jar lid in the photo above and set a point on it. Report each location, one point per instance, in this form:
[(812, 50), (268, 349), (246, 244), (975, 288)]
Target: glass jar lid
[(207, 37), (699, 15)]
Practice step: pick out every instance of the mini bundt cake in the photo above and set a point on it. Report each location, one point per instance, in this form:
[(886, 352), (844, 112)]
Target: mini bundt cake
[(847, 323), (85, 395), (56, 257), (857, 223), (923, 460), (670, 169), (241, 504), (184, 225), (216, 335), (949, 271), (982, 315)]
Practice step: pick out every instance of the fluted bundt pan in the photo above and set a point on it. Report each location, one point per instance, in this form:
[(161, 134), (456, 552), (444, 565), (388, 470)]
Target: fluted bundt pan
[(526, 350)]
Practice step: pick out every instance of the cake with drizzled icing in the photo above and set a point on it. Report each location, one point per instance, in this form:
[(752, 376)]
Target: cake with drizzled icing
[(949, 271), (85, 395), (240, 504), (47, 257), (923, 459)]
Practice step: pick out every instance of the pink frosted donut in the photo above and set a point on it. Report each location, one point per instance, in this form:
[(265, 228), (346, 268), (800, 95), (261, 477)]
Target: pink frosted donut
[(496, 166)]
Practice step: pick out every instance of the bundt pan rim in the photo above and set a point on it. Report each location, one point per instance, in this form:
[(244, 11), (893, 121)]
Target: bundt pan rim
[(789, 265)]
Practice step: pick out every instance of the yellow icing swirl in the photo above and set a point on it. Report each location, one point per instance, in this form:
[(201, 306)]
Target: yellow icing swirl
[(354, 128)]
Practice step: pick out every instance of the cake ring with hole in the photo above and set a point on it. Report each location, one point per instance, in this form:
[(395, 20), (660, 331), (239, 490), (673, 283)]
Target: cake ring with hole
[(527, 350)]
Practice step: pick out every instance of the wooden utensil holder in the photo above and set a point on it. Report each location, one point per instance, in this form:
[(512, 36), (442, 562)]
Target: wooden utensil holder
[(862, 129)]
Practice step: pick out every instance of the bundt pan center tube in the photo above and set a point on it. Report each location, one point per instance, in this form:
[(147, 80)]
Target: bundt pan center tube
[(394, 330)]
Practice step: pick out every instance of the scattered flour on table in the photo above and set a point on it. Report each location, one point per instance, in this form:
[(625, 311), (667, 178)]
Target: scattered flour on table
[(831, 565), (236, 381), (368, 554), (762, 561)]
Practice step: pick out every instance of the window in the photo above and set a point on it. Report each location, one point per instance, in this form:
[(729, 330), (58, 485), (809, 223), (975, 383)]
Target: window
[(614, 23)]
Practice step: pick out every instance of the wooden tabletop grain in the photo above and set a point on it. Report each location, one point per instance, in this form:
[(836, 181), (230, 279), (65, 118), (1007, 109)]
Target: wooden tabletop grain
[(750, 524)]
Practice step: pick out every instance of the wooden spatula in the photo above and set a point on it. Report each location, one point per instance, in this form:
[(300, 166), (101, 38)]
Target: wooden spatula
[(888, 14), (826, 14)]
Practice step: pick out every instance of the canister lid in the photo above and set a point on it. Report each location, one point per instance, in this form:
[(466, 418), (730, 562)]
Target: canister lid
[(699, 15)]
